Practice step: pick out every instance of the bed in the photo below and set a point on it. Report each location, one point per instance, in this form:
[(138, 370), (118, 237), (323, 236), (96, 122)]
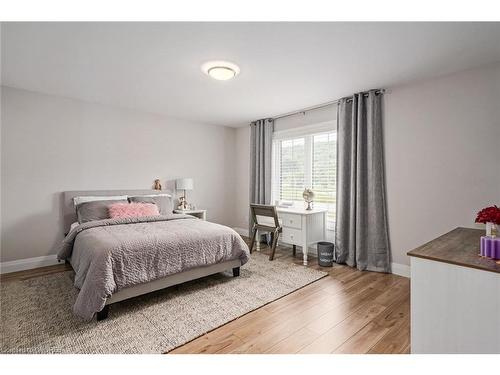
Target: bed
[(121, 258)]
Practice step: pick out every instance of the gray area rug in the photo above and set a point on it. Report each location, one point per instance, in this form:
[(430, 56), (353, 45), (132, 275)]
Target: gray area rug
[(36, 314)]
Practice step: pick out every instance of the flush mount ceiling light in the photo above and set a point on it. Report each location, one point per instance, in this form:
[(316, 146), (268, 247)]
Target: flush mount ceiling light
[(220, 70)]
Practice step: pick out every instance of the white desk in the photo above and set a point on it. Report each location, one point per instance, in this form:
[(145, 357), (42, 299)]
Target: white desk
[(301, 227)]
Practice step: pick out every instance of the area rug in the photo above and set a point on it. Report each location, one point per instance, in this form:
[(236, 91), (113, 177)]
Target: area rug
[(36, 314)]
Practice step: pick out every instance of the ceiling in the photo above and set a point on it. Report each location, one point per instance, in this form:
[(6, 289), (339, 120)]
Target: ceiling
[(155, 67)]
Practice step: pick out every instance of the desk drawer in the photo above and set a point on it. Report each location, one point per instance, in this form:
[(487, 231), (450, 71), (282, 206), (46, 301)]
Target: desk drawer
[(292, 236), (291, 221)]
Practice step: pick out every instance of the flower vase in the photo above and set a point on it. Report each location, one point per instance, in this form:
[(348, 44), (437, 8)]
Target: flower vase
[(491, 229)]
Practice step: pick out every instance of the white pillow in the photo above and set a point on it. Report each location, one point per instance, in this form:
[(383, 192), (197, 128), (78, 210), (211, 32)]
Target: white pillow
[(79, 200), (74, 225), (162, 200), (151, 195)]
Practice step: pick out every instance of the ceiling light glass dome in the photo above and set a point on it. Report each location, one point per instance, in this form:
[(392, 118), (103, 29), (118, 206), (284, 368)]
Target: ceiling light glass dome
[(220, 70)]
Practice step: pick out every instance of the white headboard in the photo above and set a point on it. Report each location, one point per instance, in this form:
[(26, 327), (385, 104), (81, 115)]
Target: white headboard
[(69, 212)]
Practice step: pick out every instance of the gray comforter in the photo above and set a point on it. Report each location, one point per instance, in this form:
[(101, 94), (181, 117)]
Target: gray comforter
[(109, 255)]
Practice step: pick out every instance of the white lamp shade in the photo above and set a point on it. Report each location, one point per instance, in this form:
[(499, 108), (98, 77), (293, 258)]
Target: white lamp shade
[(184, 184)]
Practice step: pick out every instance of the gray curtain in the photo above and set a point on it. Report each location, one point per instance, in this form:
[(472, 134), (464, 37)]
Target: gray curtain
[(362, 239), (261, 134)]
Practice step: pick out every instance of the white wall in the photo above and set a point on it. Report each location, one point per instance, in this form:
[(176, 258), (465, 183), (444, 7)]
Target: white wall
[(242, 179), (51, 144), (442, 148), (441, 144), (442, 141)]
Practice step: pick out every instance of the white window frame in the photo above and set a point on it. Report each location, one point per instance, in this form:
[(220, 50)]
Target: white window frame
[(306, 132), (321, 127)]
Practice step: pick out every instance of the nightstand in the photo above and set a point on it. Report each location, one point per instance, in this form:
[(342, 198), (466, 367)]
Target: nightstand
[(200, 214)]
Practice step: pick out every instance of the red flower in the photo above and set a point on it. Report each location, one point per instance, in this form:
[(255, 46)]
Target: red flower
[(489, 214)]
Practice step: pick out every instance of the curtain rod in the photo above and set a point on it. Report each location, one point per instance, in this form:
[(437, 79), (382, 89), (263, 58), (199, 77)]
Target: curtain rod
[(327, 104)]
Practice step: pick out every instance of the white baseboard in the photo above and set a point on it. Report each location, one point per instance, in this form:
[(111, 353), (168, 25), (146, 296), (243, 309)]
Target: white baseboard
[(400, 269), (28, 264)]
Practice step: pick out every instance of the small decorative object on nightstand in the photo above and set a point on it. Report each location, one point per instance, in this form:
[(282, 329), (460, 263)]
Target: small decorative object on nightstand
[(200, 214), (157, 185)]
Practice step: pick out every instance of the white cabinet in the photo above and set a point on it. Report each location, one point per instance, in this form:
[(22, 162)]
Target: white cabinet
[(200, 214), (455, 296), (454, 309)]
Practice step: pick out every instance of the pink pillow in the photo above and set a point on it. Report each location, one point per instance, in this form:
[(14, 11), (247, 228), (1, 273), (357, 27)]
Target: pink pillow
[(119, 210)]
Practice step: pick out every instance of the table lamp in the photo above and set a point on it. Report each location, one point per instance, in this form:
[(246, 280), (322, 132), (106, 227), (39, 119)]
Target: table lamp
[(184, 184)]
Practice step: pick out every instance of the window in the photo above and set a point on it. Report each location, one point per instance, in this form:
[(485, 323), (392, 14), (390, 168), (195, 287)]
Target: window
[(306, 158), (324, 173), (292, 177)]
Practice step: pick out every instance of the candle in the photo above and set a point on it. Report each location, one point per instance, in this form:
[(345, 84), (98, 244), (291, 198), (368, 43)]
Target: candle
[(490, 247)]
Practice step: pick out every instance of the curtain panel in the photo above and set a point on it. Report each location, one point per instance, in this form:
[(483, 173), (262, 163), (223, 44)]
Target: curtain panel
[(362, 238), (261, 140)]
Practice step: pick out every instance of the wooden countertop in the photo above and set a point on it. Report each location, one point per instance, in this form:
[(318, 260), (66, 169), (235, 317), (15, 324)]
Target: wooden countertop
[(460, 247)]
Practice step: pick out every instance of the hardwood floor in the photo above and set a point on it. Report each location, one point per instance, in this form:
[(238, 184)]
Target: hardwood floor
[(346, 312), (36, 272)]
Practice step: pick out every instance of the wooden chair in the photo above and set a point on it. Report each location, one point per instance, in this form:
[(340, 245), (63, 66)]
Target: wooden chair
[(274, 228)]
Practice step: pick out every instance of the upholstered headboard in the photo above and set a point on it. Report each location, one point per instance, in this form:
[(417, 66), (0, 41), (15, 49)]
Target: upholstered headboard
[(69, 212)]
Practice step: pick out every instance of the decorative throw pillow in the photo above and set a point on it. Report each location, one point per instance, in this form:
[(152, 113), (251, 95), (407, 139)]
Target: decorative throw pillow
[(85, 198), (163, 201), (94, 210), (120, 210)]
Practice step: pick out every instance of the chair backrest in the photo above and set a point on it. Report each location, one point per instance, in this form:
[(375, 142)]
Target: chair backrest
[(266, 211)]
